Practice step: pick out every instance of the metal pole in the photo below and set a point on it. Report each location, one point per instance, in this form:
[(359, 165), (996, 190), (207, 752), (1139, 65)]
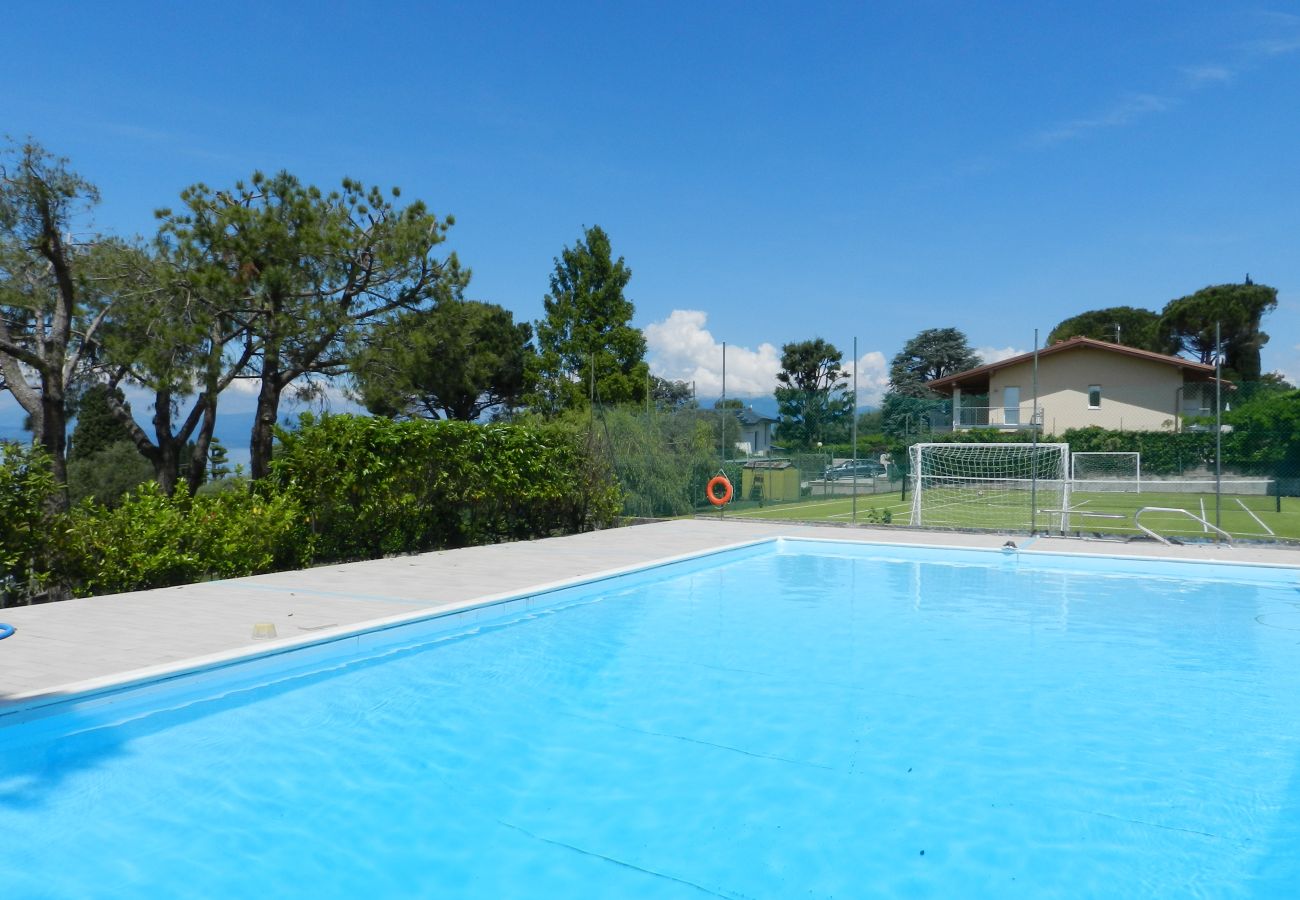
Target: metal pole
[(855, 431), (722, 510), (1218, 429), (722, 404), (1033, 454)]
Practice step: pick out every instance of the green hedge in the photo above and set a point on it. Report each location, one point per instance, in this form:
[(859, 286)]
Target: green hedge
[(151, 540), (1163, 452), (373, 486), (26, 539), (1259, 445), (342, 487)]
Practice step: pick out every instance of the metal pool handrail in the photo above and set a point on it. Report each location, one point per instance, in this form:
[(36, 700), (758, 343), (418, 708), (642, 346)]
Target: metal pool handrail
[(1137, 516)]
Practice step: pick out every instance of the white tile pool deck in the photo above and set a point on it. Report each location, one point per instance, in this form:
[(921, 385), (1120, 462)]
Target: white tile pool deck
[(77, 644)]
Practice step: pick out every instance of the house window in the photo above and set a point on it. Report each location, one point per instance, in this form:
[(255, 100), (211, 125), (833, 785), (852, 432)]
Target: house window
[(1094, 396)]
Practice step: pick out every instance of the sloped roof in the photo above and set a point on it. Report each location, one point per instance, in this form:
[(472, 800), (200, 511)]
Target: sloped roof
[(977, 379), (751, 417)]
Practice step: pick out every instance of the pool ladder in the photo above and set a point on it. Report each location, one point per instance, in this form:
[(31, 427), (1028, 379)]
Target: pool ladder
[(1137, 521)]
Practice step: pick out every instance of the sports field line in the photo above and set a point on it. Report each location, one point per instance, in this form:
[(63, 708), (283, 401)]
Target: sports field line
[(849, 515), (1252, 515), (791, 508)]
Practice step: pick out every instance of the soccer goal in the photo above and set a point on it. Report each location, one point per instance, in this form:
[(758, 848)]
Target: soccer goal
[(1016, 487), (1107, 472)]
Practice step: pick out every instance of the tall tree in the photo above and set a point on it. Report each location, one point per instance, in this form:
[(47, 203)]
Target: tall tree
[(1188, 324), (586, 341), (811, 395), (1125, 325), (218, 460), (310, 269), (50, 303), (97, 428), (182, 336), (456, 360), (933, 353), (671, 395)]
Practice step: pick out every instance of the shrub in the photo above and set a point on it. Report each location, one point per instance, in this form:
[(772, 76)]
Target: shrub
[(105, 476), (874, 515), (662, 461), (1163, 452), (373, 486), (27, 528), (151, 540)]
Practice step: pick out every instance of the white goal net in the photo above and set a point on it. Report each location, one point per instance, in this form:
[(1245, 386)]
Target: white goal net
[(1015, 487), (1107, 472)]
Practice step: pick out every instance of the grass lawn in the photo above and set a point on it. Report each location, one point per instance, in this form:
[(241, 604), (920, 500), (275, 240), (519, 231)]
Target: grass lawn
[(1241, 516)]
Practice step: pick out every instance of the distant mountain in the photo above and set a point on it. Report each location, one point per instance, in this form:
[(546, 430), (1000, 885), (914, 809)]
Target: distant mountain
[(767, 405), (233, 428)]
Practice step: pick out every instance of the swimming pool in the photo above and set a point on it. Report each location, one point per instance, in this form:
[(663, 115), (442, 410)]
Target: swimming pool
[(796, 717)]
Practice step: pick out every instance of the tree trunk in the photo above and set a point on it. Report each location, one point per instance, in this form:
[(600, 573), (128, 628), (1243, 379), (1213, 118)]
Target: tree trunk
[(167, 467), (263, 437), (52, 433), (167, 462), (138, 436), (199, 457)]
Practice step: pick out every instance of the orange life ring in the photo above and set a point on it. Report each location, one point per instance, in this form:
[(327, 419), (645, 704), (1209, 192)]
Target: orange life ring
[(726, 490)]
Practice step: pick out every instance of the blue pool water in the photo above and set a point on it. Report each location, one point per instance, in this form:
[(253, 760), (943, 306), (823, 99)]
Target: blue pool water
[(810, 719)]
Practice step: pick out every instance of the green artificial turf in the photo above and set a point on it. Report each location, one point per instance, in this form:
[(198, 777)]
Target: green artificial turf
[(1090, 512)]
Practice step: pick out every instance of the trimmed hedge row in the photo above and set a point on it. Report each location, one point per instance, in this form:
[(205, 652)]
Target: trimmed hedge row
[(151, 540), (1163, 452), (1250, 448), (342, 488), (372, 486), (26, 486)]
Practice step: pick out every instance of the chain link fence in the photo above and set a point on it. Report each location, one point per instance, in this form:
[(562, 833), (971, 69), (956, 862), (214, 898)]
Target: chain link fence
[(1181, 479)]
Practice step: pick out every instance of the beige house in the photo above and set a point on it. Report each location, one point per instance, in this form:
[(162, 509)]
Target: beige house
[(1081, 382)]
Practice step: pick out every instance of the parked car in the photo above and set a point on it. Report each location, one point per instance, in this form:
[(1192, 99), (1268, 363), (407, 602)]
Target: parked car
[(865, 468)]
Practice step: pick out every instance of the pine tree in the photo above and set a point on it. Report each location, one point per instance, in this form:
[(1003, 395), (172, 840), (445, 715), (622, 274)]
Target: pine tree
[(97, 429), (588, 326), (218, 460)]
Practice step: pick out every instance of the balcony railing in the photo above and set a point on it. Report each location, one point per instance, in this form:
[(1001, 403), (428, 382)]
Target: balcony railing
[(1004, 417)]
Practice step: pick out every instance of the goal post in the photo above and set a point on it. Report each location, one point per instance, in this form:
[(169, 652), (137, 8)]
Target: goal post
[(1108, 472), (1011, 487)]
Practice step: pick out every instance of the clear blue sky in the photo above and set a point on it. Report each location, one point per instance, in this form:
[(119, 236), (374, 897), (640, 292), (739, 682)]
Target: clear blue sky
[(782, 171)]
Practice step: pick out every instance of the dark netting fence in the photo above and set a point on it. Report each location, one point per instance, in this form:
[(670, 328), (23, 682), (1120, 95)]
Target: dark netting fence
[(1192, 475)]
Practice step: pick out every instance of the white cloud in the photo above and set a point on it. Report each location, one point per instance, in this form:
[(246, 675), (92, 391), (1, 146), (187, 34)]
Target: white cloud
[(1129, 109), (249, 386), (319, 395), (1278, 46), (997, 354), (873, 377), (1198, 76), (682, 349)]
